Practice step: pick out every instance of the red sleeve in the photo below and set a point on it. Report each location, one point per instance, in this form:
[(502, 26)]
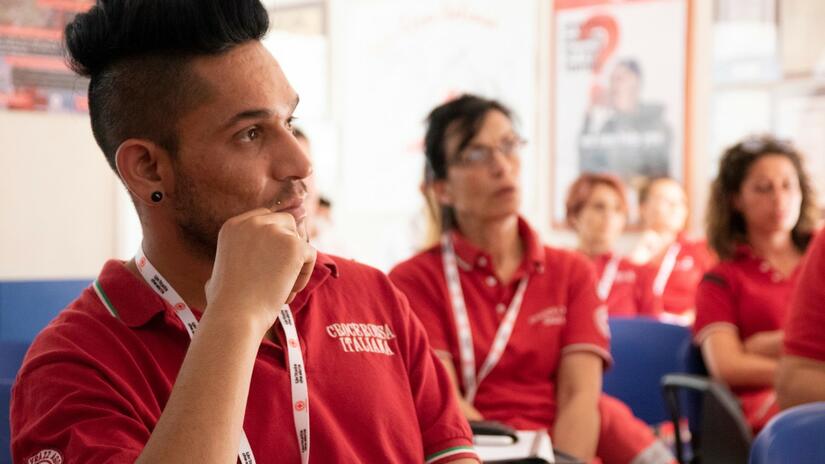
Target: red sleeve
[(64, 403), (427, 297), (806, 321), (444, 430), (715, 304), (586, 328)]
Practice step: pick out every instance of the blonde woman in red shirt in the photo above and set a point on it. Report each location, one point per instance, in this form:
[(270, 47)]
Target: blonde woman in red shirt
[(671, 263)]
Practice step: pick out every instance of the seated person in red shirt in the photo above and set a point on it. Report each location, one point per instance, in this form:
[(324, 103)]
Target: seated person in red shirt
[(761, 215), (227, 338), (672, 264), (801, 376), (597, 211), (518, 324)]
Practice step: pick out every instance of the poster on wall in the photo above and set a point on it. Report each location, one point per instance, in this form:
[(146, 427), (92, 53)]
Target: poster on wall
[(33, 74), (619, 91)]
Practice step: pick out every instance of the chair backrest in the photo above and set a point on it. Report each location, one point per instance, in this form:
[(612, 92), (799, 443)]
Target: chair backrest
[(725, 435), (5, 432), (795, 436), (722, 435), (11, 356), (692, 400), (643, 351), (27, 306)]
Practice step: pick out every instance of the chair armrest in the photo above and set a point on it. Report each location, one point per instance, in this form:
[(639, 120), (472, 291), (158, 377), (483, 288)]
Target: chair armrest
[(671, 384), (690, 381)]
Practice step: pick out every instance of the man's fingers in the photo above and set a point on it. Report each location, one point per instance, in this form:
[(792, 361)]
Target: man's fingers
[(306, 270)]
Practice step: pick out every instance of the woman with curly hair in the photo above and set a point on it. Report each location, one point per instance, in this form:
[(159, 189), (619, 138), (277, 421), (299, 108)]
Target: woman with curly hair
[(761, 217)]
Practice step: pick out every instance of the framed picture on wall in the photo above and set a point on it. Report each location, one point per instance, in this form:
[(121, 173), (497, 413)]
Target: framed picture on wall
[(619, 91)]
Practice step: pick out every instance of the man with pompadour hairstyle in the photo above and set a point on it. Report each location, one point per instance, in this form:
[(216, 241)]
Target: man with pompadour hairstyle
[(227, 338)]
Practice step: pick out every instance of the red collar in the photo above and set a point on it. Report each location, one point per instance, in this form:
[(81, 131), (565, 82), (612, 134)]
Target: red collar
[(136, 303), (469, 255), (743, 251)]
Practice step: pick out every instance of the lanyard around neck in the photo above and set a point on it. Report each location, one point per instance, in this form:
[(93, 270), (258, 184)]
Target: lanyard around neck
[(295, 359), (666, 269), (465, 337), (611, 270)]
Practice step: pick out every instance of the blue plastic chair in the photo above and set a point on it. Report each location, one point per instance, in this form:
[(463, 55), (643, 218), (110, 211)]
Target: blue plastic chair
[(27, 306), (11, 356), (5, 432), (795, 436), (644, 350), (719, 432)]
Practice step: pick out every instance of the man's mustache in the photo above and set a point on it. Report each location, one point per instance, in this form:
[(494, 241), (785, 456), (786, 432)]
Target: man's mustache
[(294, 189)]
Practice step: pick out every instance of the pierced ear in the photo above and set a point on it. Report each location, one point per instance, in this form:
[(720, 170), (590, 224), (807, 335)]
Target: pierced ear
[(145, 168)]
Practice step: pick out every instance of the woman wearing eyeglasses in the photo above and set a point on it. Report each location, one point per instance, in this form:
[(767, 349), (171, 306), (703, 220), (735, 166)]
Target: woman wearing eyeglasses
[(517, 324), (597, 210), (761, 216)]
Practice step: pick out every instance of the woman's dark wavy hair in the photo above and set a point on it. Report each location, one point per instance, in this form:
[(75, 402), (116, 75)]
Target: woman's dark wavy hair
[(461, 117), (137, 54), (725, 226)]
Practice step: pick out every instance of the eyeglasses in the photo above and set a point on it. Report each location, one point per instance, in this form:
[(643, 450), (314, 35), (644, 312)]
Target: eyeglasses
[(478, 155)]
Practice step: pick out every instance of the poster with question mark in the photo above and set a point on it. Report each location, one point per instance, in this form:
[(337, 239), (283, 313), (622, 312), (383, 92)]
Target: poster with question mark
[(618, 91)]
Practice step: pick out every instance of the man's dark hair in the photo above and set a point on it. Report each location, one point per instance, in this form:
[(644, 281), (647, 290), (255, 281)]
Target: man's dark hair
[(462, 117), (137, 55)]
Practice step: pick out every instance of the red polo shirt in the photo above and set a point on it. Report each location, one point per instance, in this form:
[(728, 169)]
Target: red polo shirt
[(560, 314), (679, 296), (627, 295), (747, 294), (93, 386), (806, 321)]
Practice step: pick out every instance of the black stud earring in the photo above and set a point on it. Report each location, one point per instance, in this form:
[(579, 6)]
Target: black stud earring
[(157, 196)]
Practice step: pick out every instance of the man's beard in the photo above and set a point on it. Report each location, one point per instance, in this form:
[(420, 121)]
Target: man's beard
[(200, 223)]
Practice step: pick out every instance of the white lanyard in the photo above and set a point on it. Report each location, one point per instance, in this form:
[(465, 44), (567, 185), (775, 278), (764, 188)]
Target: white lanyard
[(295, 359), (666, 269), (611, 270), (465, 336)]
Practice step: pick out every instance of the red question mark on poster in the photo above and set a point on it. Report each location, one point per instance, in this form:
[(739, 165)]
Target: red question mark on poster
[(586, 31)]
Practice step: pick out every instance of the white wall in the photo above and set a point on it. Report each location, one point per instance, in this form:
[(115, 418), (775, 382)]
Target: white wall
[(56, 197), (388, 76)]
